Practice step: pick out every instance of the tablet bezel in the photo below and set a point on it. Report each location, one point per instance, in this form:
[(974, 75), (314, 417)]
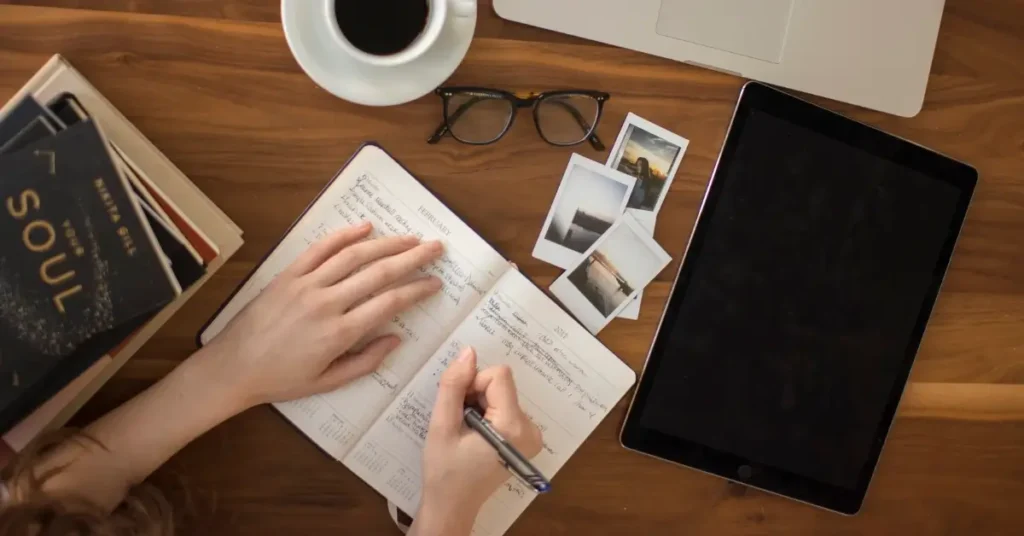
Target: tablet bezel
[(757, 96)]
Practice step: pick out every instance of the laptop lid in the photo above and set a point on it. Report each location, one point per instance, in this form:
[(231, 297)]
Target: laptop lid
[(872, 53)]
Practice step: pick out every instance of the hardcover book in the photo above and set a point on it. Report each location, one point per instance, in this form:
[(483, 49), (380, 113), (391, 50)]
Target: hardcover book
[(194, 241), (27, 116), (76, 261)]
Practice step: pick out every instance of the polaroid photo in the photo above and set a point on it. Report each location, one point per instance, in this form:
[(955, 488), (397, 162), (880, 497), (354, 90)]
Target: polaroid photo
[(632, 311), (589, 200), (610, 274), (652, 155)]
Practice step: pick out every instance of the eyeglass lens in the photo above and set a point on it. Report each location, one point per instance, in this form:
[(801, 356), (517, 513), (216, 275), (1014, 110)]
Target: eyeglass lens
[(566, 119), (478, 118), (562, 119)]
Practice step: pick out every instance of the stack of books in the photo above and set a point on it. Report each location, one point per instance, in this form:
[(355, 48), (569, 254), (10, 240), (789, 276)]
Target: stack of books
[(101, 240)]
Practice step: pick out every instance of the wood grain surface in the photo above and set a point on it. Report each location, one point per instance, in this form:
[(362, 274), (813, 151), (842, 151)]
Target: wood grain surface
[(213, 84)]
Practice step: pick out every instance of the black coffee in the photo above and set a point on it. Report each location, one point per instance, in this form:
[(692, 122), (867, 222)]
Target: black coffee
[(381, 27)]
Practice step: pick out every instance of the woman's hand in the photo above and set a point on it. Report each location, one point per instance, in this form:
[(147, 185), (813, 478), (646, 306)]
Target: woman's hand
[(460, 469), (298, 337)]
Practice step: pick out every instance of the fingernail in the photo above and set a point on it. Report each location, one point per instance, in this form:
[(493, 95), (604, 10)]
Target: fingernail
[(467, 355), (435, 245), (393, 343), (364, 225), (435, 282)]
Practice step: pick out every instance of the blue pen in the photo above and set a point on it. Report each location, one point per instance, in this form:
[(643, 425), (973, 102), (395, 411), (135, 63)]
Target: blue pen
[(514, 461)]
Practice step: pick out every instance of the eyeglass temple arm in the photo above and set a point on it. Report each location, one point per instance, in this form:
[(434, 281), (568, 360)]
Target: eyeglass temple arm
[(443, 129), (438, 134), (582, 122)]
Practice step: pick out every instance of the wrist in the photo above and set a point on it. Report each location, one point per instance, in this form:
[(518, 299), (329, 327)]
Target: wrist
[(447, 518), (212, 371)]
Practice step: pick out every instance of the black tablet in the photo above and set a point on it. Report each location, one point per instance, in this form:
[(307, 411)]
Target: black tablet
[(800, 303)]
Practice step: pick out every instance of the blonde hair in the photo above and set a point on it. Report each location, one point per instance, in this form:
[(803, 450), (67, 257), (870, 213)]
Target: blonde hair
[(30, 511)]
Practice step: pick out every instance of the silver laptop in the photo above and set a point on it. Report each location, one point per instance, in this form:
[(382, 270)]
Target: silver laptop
[(872, 53)]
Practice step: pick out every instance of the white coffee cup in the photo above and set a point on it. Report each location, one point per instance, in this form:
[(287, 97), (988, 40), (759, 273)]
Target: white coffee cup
[(436, 20)]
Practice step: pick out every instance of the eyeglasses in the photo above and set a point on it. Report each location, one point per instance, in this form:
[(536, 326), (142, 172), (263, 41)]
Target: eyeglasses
[(481, 116)]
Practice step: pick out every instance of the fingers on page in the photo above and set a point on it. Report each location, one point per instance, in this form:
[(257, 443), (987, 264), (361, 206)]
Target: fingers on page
[(379, 309), (350, 259), (386, 272), (324, 249), (451, 394)]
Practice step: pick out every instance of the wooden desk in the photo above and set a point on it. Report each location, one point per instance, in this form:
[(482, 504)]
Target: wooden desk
[(212, 83)]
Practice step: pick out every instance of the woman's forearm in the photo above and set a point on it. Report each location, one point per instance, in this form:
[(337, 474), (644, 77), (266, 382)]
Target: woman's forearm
[(136, 438), (308, 332)]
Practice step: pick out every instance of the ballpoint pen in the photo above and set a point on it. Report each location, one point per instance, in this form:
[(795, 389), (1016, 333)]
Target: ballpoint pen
[(514, 461)]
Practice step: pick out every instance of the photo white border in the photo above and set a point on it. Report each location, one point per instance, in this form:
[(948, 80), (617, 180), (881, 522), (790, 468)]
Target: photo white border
[(579, 305), (644, 217), (558, 254), (632, 311)]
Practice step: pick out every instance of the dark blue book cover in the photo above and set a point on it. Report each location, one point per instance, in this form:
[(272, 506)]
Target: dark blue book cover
[(187, 270), (25, 124), (20, 116), (76, 261)]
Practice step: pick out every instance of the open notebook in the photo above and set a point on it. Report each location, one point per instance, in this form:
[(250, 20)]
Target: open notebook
[(377, 426)]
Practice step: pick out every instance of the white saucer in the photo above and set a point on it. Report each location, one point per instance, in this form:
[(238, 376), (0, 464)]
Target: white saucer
[(310, 38)]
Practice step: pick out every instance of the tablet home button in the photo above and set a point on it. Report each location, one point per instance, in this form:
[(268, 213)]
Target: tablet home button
[(744, 472)]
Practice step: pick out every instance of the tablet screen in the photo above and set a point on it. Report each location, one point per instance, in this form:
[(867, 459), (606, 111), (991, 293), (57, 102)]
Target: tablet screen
[(804, 285)]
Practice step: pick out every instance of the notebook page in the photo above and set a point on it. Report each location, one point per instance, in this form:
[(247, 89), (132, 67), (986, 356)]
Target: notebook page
[(374, 187), (566, 379)]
